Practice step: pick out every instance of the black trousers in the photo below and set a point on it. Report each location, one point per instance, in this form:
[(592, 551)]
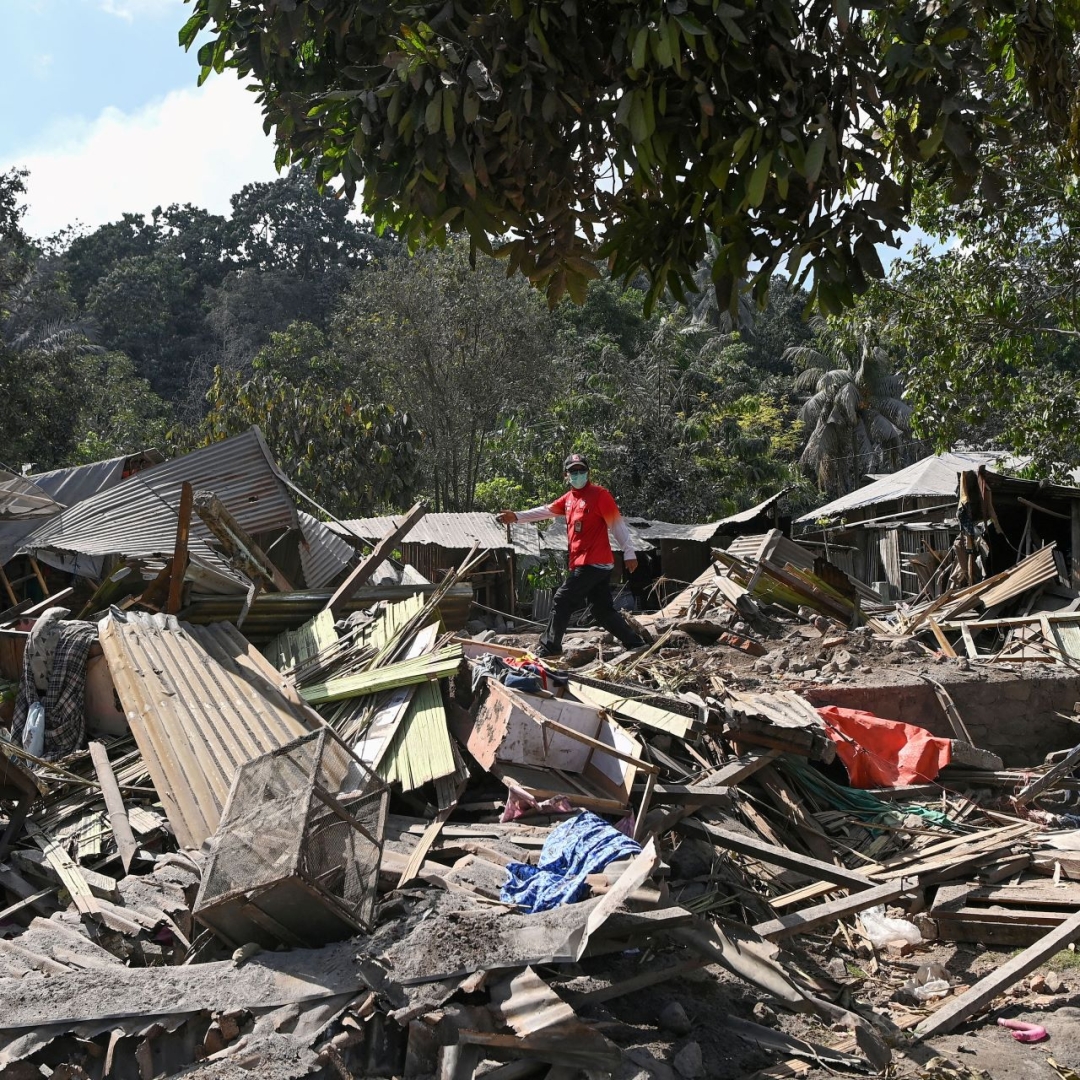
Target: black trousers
[(585, 585)]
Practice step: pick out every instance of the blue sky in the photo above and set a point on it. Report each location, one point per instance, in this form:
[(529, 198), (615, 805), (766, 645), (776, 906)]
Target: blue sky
[(101, 104)]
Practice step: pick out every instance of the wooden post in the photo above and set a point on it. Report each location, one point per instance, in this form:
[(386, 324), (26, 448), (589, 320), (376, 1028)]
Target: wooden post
[(180, 551), (40, 576), (370, 563), (114, 803), (8, 589), (240, 549)]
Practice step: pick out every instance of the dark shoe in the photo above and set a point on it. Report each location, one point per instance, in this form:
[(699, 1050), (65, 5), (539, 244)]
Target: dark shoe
[(635, 643), (546, 651)]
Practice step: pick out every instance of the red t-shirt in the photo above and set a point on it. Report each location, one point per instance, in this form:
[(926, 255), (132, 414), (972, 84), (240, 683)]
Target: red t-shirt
[(588, 514)]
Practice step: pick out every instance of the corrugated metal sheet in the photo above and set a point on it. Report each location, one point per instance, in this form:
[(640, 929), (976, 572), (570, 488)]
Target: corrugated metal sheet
[(456, 532), (138, 516), (71, 486), (420, 749), (323, 554), (933, 476), (201, 702), (553, 538), (12, 534), (292, 647), (21, 498)]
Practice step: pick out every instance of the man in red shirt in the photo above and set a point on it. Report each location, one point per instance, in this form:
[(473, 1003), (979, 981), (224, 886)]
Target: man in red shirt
[(590, 511)]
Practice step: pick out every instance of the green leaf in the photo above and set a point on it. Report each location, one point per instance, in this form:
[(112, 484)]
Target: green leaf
[(815, 157), (641, 41), (449, 100), (755, 190), (433, 114), (639, 129)]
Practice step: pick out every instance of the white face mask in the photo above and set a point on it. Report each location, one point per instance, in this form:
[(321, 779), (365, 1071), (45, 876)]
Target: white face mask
[(578, 479)]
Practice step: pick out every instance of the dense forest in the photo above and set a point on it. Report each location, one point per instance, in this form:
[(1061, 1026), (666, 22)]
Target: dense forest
[(378, 375)]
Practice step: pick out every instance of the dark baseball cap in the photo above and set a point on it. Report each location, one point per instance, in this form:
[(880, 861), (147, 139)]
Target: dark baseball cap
[(575, 461)]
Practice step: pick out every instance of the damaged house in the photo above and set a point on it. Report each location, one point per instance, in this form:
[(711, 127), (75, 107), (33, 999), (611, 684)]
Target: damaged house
[(268, 811)]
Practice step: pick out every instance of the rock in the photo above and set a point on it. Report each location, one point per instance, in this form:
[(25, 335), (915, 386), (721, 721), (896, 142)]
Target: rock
[(688, 1061), (476, 626), (673, 1018), (762, 666), (963, 663), (810, 673), (836, 968), (780, 663), (829, 669), (763, 1014), (899, 645), (1053, 982)]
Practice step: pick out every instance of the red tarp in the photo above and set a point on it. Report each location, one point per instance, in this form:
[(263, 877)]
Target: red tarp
[(884, 753)]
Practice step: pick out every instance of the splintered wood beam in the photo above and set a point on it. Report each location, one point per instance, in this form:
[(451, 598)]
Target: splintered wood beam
[(1050, 778), (801, 922), (114, 803), (237, 544), (953, 1013), (778, 856), (378, 555), (180, 550)]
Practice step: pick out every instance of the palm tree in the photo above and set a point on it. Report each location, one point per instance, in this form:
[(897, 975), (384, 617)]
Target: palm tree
[(856, 418), (703, 306)]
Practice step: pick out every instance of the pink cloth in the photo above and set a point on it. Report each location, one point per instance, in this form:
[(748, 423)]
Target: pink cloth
[(884, 753)]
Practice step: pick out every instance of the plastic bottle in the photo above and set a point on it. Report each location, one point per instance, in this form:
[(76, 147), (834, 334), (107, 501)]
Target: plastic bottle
[(33, 736)]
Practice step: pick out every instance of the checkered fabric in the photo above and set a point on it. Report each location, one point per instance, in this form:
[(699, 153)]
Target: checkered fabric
[(65, 699)]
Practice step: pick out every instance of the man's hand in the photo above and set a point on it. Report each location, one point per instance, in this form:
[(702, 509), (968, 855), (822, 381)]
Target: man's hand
[(507, 517), (630, 564)]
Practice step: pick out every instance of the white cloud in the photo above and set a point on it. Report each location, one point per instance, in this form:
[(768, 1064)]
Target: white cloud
[(130, 9), (41, 65), (193, 146)]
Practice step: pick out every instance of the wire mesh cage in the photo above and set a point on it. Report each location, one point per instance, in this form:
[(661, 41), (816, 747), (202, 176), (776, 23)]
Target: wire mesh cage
[(302, 823)]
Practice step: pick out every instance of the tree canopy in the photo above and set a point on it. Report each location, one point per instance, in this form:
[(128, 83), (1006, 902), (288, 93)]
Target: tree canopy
[(633, 129)]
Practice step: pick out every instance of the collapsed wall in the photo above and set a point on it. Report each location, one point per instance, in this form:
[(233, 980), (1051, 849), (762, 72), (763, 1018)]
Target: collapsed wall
[(1016, 716)]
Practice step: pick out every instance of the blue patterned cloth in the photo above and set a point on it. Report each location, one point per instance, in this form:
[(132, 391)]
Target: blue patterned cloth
[(578, 847)]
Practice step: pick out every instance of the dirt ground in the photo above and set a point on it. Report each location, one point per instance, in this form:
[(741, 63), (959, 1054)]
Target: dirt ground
[(708, 997)]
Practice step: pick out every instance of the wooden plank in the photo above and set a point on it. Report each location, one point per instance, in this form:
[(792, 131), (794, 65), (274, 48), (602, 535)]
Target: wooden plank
[(5, 581), (801, 922), (375, 558), (70, 874), (1050, 778), (953, 1013), (180, 549), (779, 856), (114, 803), (969, 642), (237, 544), (942, 640), (39, 575)]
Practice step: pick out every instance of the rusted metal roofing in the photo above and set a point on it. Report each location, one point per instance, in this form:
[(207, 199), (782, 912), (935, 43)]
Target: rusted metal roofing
[(456, 532), (138, 516), (323, 554), (200, 701)]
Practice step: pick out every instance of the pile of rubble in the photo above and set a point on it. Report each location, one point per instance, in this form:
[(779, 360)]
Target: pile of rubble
[(364, 844)]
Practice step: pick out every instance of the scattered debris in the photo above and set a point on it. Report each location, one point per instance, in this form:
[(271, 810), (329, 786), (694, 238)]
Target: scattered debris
[(308, 825)]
